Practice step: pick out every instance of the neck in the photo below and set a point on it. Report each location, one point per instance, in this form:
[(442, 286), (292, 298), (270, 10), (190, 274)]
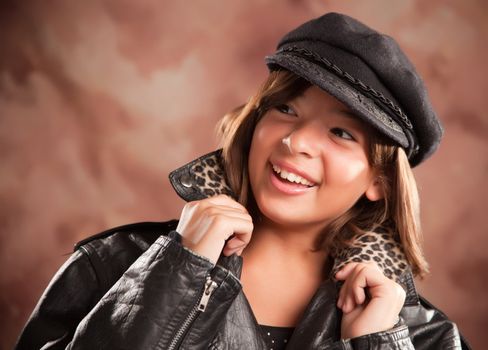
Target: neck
[(289, 247)]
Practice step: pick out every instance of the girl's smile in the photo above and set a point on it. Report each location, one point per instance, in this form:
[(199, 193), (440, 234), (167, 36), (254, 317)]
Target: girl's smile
[(290, 180)]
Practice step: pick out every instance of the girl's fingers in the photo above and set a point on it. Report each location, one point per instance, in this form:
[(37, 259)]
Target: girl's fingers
[(364, 274), (364, 314), (227, 226), (224, 200), (216, 210), (360, 295), (234, 245), (345, 271), (238, 251), (346, 299), (357, 277), (207, 225)]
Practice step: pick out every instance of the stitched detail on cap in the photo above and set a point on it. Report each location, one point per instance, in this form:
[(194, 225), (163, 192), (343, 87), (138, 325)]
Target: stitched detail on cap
[(286, 60), (356, 82)]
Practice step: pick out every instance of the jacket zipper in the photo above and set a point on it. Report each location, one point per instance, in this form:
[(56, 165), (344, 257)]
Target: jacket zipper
[(198, 308)]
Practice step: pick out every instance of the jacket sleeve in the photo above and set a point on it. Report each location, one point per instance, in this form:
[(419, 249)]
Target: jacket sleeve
[(395, 339), (72, 292), (158, 300), (430, 328), (154, 305), (422, 327)]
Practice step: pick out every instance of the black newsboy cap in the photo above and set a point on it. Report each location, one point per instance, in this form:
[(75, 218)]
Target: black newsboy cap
[(369, 73)]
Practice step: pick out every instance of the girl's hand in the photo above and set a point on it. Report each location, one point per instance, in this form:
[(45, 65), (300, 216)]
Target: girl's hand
[(369, 300), (205, 225)]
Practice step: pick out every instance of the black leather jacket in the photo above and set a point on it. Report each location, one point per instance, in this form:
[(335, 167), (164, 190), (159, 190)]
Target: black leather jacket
[(137, 287)]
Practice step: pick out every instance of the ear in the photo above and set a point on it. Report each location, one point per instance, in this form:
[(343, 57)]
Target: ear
[(375, 190)]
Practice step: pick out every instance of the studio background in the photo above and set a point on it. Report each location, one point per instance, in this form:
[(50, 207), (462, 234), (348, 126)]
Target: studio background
[(99, 100)]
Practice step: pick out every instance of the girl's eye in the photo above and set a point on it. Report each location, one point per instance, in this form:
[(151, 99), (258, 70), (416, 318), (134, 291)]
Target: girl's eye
[(342, 134), (284, 108)]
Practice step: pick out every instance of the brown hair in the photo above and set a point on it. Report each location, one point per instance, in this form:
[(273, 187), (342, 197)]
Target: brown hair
[(397, 213)]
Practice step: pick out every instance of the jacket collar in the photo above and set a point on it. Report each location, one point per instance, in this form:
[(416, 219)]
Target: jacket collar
[(205, 177)]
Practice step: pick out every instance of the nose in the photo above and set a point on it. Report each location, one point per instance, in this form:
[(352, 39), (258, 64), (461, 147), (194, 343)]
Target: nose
[(306, 139)]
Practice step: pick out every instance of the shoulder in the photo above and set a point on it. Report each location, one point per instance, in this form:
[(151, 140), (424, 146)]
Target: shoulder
[(427, 323), (112, 251), (137, 233)]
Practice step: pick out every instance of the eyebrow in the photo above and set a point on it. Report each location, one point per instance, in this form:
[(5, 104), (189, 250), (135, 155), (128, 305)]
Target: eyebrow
[(348, 114)]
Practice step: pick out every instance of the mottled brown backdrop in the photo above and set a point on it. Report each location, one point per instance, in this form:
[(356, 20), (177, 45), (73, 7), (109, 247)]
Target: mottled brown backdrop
[(99, 100)]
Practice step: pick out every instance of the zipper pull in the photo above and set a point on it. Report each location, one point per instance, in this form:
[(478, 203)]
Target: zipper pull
[(209, 289)]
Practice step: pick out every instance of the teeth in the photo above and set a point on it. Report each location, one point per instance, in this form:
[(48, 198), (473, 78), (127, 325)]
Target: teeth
[(291, 177)]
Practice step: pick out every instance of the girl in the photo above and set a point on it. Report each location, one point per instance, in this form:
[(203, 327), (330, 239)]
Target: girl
[(302, 232)]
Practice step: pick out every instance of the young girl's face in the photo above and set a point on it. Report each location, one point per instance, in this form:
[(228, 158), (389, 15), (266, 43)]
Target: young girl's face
[(325, 165)]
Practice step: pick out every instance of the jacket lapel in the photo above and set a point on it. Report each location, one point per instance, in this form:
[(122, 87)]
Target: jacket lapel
[(240, 329), (319, 326), (202, 178)]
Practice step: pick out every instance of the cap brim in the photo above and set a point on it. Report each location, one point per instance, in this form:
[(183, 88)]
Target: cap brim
[(359, 103)]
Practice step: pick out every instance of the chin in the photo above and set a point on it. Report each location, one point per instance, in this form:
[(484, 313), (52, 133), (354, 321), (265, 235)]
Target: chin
[(286, 214)]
